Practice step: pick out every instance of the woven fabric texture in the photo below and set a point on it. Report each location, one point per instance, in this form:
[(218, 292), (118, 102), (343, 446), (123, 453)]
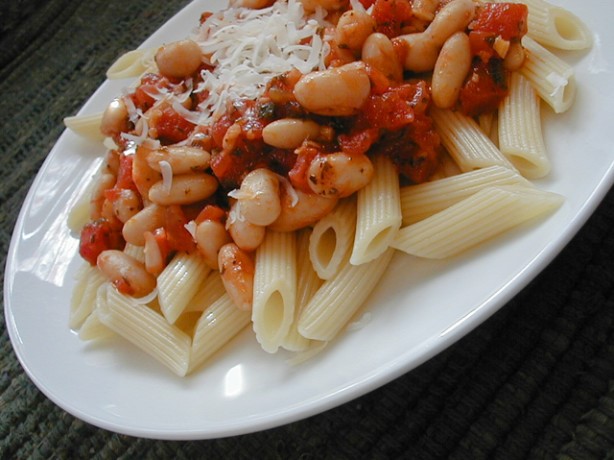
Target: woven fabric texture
[(533, 381)]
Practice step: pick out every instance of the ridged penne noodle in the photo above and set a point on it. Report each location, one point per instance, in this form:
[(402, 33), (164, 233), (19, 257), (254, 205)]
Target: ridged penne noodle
[(378, 212), (332, 238), (179, 282), (423, 200), (556, 27), (274, 289), (308, 282), (551, 77), (87, 126), (79, 214), (334, 304), (132, 64), (146, 329), (465, 142), (93, 328), (210, 290), (83, 299), (520, 131), (217, 325), (474, 220)]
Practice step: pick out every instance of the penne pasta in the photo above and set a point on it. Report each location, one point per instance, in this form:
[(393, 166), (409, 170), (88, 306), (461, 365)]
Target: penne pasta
[(520, 132), (338, 299), (218, 324), (551, 77), (179, 282), (423, 200), (209, 291), (332, 238), (83, 299), (93, 328), (483, 215), (554, 26), (87, 126), (146, 329), (465, 142), (274, 289), (378, 213), (307, 284), (132, 64)]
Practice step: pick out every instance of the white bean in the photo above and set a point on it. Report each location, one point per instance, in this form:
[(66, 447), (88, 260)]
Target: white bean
[(182, 159), (451, 70), (154, 259), (184, 189), (258, 197), (378, 51), (104, 182), (210, 236), (452, 18), (179, 59), (142, 174), (289, 133), (353, 28), (421, 52), (147, 219), (237, 273), (328, 5), (246, 235), (126, 204), (424, 9), (339, 174), (339, 91), (300, 209), (114, 118), (126, 273), (514, 59)]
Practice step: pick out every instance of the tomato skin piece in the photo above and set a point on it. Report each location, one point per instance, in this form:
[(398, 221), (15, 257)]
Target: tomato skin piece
[(150, 84), (298, 174), (484, 89), (507, 20), (178, 237), (390, 15), (97, 236), (170, 127)]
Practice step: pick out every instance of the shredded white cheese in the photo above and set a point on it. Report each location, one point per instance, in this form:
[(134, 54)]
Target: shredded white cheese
[(167, 176), (249, 47)]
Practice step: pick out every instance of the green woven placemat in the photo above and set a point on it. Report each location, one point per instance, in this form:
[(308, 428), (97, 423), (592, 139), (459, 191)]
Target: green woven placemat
[(534, 381)]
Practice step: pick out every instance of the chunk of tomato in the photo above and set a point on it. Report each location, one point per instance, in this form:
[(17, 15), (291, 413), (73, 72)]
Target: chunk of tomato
[(507, 20), (484, 89), (97, 236)]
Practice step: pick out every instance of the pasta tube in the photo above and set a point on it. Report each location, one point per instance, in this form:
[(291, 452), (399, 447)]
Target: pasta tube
[(334, 304), (378, 213), (473, 220), (274, 289), (465, 141), (217, 325), (423, 200), (179, 282), (146, 329), (332, 237), (520, 132)]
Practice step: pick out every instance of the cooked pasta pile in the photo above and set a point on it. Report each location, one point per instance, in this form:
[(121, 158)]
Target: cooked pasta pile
[(263, 171)]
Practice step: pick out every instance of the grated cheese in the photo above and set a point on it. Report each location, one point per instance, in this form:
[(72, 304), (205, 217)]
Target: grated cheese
[(249, 47)]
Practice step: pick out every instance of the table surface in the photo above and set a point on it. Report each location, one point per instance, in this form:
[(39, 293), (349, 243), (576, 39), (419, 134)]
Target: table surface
[(533, 381)]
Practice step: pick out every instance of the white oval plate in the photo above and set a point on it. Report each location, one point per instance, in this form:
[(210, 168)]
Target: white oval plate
[(420, 308)]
